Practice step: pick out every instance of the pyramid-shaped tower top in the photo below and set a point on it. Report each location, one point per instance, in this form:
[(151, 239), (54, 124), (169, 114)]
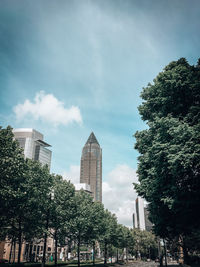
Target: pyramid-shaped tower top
[(92, 139)]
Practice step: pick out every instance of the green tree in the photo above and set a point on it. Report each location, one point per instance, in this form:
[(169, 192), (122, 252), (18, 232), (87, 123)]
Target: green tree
[(13, 196), (82, 224), (39, 188), (124, 240), (25, 186), (169, 161), (110, 234), (61, 210), (12, 168), (97, 228)]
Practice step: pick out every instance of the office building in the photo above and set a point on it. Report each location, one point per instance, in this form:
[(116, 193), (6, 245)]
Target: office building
[(33, 145), (91, 167), (140, 217), (139, 205)]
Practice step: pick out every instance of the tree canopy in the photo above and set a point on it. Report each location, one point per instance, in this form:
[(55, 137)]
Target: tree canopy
[(169, 161)]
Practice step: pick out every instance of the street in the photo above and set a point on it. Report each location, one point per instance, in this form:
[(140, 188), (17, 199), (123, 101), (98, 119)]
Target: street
[(145, 264)]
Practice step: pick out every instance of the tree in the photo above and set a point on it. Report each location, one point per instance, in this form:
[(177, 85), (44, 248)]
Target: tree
[(169, 161), (12, 167), (144, 244), (97, 227), (82, 224), (124, 240), (13, 196), (110, 234), (25, 186), (61, 210)]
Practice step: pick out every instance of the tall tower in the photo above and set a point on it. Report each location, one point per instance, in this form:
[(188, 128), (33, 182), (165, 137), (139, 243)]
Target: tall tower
[(91, 167), (140, 213)]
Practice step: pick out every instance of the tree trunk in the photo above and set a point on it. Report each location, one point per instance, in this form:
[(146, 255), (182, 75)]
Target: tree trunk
[(165, 251), (93, 256), (117, 255), (19, 242), (44, 250), (78, 249), (30, 251), (105, 253), (10, 252), (14, 251), (56, 247), (45, 240), (161, 260), (185, 254)]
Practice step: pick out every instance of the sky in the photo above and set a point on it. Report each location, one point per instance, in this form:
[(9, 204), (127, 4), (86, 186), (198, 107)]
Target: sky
[(70, 67)]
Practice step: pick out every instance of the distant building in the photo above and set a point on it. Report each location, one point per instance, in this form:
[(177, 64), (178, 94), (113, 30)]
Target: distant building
[(91, 167), (139, 205), (134, 221), (33, 145), (140, 217)]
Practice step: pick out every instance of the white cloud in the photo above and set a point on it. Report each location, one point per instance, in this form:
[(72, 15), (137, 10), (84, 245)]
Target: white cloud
[(48, 108), (73, 174), (119, 195)]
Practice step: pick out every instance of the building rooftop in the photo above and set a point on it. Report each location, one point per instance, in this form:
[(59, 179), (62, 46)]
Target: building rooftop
[(41, 142), (23, 130), (92, 139)]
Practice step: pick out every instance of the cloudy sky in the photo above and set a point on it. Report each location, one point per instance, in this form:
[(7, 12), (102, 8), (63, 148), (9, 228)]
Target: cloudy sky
[(70, 67)]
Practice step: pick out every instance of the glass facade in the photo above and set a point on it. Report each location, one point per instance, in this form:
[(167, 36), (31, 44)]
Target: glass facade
[(34, 146), (91, 167)]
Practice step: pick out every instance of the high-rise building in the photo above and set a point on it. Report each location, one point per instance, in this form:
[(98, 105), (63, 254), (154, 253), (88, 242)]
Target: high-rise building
[(91, 167), (33, 145), (139, 204), (140, 218)]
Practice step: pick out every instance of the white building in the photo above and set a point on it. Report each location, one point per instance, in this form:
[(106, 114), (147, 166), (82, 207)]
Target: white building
[(34, 146), (139, 218)]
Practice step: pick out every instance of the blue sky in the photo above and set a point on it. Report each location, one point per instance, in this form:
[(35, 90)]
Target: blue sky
[(72, 67)]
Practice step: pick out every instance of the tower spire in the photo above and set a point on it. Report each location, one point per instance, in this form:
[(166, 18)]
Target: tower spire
[(92, 139)]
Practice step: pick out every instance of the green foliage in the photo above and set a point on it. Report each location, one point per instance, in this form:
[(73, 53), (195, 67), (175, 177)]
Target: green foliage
[(12, 176), (61, 207), (169, 161), (145, 243)]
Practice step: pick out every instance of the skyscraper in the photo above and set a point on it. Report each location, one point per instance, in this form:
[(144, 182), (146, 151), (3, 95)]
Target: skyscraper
[(33, 145), (91, 167), (139, 203), (140, 217)]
